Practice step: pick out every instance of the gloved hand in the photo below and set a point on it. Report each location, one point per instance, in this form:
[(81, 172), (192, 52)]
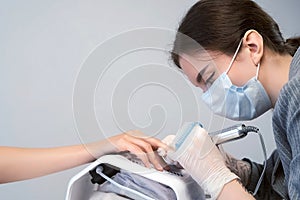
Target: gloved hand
[(162, 152), (199, 156)]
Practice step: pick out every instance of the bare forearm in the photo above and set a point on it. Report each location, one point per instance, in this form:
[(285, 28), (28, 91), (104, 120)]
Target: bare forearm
[(234, 190), (25, 163)]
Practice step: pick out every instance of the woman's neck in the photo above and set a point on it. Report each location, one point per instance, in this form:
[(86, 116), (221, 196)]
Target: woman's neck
[(274, 73)]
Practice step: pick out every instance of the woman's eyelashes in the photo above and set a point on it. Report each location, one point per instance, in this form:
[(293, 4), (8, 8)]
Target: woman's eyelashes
[(209, 81)]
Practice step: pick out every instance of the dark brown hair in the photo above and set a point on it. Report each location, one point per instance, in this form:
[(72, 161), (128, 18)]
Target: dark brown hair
[(219, 25)]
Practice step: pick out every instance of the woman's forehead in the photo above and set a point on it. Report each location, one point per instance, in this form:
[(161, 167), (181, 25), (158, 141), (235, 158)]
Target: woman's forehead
[(196, 61)]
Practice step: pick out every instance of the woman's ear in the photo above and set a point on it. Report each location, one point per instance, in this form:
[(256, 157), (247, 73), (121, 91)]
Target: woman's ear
[(254, 43)]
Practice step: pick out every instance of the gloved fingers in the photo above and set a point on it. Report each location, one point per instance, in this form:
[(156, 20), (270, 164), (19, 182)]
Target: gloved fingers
[(168, 140), (198, 141), (161, 161)]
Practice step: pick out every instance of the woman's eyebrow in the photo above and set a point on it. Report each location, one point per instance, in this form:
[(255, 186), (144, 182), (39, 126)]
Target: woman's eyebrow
[(199, 76)]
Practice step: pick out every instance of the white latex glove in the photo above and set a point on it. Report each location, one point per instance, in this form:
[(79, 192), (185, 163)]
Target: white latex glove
[(169, 141), (199, 156)]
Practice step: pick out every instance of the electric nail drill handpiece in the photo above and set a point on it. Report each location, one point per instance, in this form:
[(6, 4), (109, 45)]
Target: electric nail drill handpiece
[(229, 134)]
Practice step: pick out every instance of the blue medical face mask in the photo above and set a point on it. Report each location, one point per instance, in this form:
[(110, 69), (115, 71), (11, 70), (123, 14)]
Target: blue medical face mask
[(237, 103)]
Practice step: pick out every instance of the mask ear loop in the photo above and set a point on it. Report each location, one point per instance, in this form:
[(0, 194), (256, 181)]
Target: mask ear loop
[(234, 56)]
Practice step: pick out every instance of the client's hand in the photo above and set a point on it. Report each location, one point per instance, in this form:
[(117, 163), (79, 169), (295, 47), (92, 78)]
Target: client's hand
[(135, 142), (203, 161)]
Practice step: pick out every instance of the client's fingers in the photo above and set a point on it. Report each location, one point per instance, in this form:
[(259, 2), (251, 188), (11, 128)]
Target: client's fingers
[(157, 143), (145, 145), (140, 154)]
